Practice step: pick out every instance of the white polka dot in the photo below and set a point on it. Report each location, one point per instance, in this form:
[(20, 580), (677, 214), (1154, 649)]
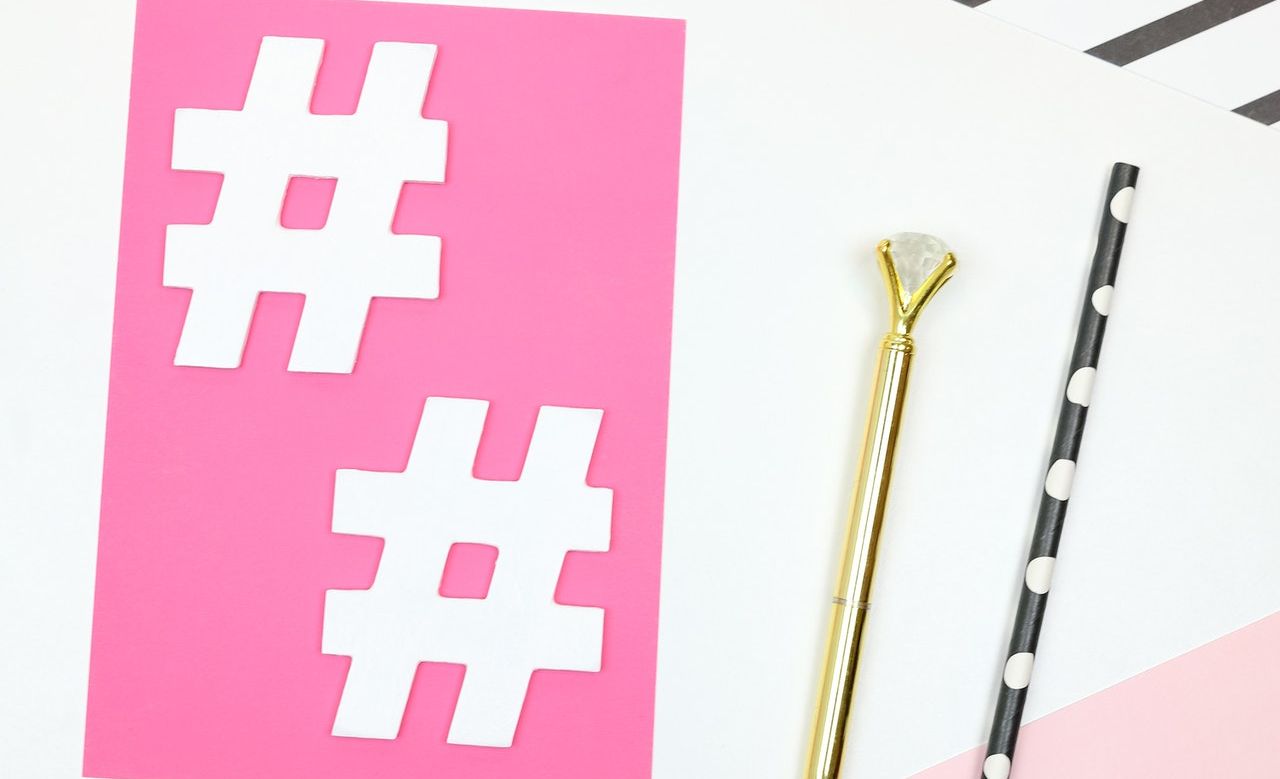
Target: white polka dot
[(1080, 388), (1121, 203), (1101, 299), (1017, 671), (1058, 482), (996, 767), (1039, 574)]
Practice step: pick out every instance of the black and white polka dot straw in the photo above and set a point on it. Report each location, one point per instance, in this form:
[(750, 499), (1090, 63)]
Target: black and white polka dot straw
[(1062, 466)]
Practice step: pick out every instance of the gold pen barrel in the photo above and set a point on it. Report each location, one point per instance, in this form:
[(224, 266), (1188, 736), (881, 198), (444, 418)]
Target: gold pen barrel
[(853, 587), (914, 267)]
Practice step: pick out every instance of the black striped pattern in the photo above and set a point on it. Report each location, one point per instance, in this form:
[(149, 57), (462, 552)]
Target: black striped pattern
[(1265, 109), (1177, 26), (1174, 28), (1054, 499)]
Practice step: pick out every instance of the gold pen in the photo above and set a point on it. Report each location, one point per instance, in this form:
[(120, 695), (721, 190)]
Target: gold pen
[(915, 266)]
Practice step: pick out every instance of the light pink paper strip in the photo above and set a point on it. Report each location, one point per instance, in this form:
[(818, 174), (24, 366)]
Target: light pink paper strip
[(1213, 712)]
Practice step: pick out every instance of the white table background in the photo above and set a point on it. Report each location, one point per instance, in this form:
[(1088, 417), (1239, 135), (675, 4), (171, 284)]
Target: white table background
[(812, 129)]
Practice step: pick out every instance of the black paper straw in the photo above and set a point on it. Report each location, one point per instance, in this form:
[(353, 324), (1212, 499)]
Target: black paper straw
[(1057, 485)]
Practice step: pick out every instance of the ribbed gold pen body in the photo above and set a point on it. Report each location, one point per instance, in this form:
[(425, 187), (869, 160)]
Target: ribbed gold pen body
[(853, 588)]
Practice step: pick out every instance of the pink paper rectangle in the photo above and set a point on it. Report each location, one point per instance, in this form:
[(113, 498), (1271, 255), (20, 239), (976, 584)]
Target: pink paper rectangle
[(557, 219)]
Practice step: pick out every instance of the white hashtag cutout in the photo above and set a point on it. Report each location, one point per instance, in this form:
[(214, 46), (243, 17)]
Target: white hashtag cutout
[(339, 268), (403, 620)]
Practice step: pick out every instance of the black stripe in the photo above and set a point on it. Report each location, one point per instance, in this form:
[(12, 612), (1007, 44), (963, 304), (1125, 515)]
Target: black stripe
[(1177, 26), (1265, 109)]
